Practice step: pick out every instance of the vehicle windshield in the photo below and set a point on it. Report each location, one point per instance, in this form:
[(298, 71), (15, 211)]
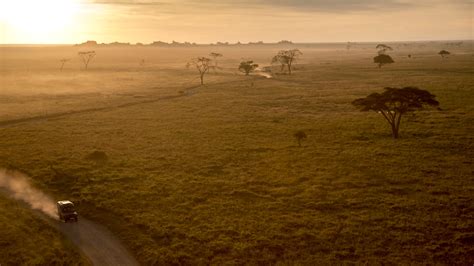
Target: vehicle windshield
[(68, 208)]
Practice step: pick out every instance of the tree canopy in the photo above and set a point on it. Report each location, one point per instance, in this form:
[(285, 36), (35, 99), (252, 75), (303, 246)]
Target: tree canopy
[(383, 59), (286, 58), (394, 102), (383, 48), (247, 67), (444, 53), (215, 56), (299, 136)]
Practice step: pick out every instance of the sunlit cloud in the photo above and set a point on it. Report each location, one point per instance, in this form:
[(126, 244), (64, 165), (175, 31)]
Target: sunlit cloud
[(301, 5)]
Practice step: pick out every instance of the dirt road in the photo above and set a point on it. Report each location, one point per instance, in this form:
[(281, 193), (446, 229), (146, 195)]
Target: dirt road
[(96, 242), (186, 92)]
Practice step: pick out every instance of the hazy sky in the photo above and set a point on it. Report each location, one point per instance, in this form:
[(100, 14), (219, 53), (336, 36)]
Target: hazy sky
[(204, 21)]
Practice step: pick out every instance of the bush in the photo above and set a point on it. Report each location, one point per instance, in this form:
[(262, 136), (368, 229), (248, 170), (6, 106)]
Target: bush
[(98, 157)]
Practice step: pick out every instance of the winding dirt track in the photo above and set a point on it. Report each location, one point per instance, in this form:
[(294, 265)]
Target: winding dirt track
[(187, 92), (96, 242)]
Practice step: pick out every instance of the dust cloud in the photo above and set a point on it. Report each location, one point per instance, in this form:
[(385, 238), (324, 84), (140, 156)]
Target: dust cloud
[(16, 185), (264, 74)]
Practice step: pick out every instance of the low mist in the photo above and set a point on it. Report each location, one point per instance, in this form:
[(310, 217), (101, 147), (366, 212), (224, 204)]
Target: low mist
[(16, 185)]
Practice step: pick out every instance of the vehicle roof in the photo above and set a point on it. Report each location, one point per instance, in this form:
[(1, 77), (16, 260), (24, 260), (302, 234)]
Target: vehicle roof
[(65, 202)]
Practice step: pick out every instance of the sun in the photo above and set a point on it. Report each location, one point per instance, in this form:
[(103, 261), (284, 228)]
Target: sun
[(38, 20)]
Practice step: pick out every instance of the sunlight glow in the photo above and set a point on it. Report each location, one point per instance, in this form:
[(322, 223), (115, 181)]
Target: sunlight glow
[(37, 20)]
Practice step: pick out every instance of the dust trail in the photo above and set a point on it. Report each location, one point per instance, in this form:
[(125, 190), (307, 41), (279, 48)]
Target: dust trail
[(96, 242), (17, 186), (264, 74)]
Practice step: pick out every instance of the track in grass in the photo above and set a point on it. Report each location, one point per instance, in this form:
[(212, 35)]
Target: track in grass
[(96, 242)]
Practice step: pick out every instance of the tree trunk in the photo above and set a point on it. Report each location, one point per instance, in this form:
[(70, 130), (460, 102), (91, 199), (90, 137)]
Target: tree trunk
[(395, 131), (299, 143), (289, 69), (202, 79)]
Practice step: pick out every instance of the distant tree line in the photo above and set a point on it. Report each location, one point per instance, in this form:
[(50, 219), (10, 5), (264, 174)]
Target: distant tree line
[(180, 44)]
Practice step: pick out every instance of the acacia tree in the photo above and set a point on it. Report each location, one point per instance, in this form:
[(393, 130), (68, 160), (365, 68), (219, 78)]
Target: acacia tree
[(63, 61), (444, 53), (215, 56), (393, 103), (383, 48), (247, 67), (286, 58), (86, 57), (383, 59), (299, 136), (202, 65)]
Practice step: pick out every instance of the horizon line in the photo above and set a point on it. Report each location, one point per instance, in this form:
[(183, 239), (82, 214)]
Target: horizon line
[(219, 43)]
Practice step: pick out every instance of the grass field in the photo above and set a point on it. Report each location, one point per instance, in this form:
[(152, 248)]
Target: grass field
[(216, 177)]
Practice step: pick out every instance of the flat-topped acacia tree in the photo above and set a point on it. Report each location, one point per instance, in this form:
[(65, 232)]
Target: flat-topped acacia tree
[(86, 57), (63, 62), (444, 53), (383, 59), (393, 103), (202, 64), (215, 56)]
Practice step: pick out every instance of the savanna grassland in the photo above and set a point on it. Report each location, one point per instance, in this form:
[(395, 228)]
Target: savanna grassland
[(213, 175)]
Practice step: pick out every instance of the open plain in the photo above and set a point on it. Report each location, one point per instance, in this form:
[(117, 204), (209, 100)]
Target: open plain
[(211, 174)]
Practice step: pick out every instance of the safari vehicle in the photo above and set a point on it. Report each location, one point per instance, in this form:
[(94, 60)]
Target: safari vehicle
[(66, 211)]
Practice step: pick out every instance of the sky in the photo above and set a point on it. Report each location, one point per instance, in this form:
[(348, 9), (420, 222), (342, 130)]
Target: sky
[(209, 21)]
